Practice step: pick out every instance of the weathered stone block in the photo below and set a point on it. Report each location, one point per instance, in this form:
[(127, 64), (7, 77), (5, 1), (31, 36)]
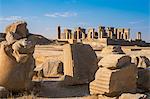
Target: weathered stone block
[(80, 63), (15, 71), (16, 31), (114, 82), (114, 61), (112, 50), (52, 68), (133, 96), (144, 78)]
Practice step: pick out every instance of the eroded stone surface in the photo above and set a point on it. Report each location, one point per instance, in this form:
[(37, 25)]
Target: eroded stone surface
[(143, 81), (80, 63), (114, 82), (112, 50), (16, 31), (16, 58), (114, 61), (133, 96)]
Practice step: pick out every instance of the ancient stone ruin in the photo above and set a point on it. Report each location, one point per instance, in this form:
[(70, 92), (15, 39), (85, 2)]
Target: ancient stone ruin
[(100, 36), (109, 32), (76, 68)]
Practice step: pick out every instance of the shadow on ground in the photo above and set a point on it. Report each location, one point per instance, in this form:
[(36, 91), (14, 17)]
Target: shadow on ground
[(54, 89)]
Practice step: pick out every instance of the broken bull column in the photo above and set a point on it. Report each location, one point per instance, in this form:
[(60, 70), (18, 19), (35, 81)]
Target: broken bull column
[(16, 58)]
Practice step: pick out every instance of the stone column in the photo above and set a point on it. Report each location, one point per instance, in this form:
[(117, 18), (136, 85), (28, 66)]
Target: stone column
[(72, 34), (108, 32), (69, 35), (112, 33), (92, 35), (83, 35), (139, 36), (89, 35), (115, 33), (78, 34), (118, 34), (99, 34), (102, 32), (59, 32), (92, 30), (128, 34), (66, 35), (69, 31)]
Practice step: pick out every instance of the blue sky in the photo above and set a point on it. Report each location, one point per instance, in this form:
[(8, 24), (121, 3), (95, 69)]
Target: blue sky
[(43, 16)]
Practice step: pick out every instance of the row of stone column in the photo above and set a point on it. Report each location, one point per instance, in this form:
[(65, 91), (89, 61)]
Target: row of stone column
[(77, 34), (109, 32)]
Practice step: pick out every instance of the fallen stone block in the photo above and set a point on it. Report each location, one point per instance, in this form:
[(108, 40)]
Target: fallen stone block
[(141, 61), (114, 61), (80, 64), (144, 62), (143, 80), (112, 50), (133, 96), (50, 68), (114, 82)]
